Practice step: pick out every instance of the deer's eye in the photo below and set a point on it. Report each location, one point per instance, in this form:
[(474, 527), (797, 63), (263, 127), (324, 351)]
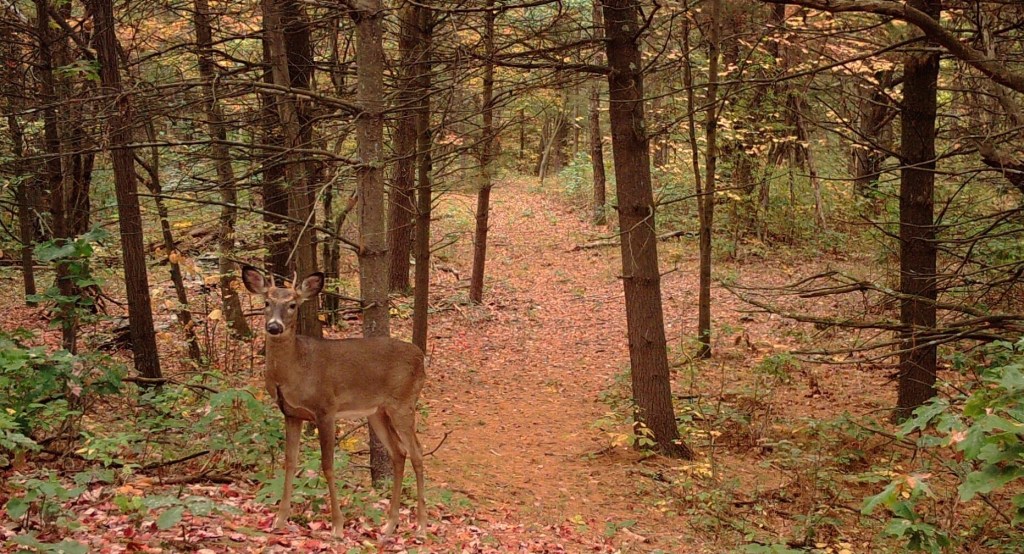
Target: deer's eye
[(291, 306)]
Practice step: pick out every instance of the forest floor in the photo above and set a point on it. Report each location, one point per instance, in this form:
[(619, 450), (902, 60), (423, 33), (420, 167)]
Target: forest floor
[(530, 457)]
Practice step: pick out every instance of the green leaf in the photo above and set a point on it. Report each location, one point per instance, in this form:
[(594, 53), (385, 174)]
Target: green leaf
[(884, 498), (923, 415), (170, 518), (988, 480), (69, 547), (1013, 379), (48, 251), (17, 507)]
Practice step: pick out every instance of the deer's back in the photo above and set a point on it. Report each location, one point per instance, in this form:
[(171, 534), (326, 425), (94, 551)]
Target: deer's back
[(361, 371)]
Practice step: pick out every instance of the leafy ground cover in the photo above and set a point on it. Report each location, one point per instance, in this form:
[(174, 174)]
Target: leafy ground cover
[(526, 412)]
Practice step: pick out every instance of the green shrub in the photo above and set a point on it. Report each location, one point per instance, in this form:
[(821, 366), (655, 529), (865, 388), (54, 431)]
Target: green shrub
[(977, 436), (40, 390)]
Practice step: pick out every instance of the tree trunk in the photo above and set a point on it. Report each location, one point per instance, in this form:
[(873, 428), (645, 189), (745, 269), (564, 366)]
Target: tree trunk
[(596, 137), (275, 197), (483, 199), (300, 208), (691, 120), (53, 172), (373, 270), (140, 315), (640, 276), (424, 196), (154, 186), (230, 303), (400, 224), (917, 232), (874, 118), (23, 197), (707, 199)]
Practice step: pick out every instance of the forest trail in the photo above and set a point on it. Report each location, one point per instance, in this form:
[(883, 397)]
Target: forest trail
[(517, 382)]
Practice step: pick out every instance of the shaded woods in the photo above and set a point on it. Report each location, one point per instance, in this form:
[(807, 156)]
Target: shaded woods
[(705, 276)]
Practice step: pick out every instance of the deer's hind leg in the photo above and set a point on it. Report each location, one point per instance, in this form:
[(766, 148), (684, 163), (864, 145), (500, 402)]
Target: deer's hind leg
[(384, 428), (404, 424)]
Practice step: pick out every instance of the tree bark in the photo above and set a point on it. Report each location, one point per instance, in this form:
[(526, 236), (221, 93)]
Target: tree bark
[(373, 276), (23, 197), (275, 197), (300, 207), (53, 172), (177, 279), (917, 231), (140, 313), (596, 137), (483, 198), (640, 276), (231, 305), (424, 190), (874, 117), (400, 217), (707, 198)]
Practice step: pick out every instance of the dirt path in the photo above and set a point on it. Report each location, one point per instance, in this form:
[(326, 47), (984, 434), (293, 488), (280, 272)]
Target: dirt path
[(517, 383)]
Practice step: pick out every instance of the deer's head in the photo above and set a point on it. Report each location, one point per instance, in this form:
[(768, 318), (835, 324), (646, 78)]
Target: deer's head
[(282, 303)]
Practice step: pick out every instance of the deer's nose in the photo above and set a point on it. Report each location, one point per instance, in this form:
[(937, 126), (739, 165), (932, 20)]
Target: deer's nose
[(275, 328)]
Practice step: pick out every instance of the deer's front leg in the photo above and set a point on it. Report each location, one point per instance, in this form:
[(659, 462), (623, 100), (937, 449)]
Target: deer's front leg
[(292, 434), (325, 428)]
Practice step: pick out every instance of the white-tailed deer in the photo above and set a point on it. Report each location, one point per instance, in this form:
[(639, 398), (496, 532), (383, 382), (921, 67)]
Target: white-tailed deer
[(320, 380)]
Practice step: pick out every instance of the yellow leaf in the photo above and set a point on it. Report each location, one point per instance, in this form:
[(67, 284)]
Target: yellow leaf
[(215, 315), (210, 280), (174, 257)]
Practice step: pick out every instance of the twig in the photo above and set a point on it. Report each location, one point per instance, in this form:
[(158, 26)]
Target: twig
[(204, 476), (445, 437), (166, 463), (167, 381)]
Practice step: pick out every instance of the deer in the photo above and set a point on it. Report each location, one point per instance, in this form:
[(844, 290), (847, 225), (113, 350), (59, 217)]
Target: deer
[(320, 380)]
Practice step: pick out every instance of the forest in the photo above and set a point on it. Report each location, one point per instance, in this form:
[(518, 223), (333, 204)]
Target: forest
[(618, 276)]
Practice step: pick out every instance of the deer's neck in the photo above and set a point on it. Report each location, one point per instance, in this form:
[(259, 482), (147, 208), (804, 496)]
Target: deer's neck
[(282, 356)]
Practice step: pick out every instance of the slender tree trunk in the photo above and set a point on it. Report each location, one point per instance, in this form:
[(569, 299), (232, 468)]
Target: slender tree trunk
[(54, 174), (522, 136), (691, 119), (177, 279), (373, 270), (400, 218), (140, 314), (300, 208), (874, 119), (596, 137), (707, 199), (23, 198), (275, 197), (917, 226), (640, 276), (424, 196), (483, 199), (230, 303)]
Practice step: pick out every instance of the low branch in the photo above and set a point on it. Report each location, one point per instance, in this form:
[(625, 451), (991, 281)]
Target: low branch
[(615, 241)]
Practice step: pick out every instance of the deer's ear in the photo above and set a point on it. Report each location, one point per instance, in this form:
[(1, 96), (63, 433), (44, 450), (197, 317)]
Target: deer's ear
[(311, 285), (254, 280)]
